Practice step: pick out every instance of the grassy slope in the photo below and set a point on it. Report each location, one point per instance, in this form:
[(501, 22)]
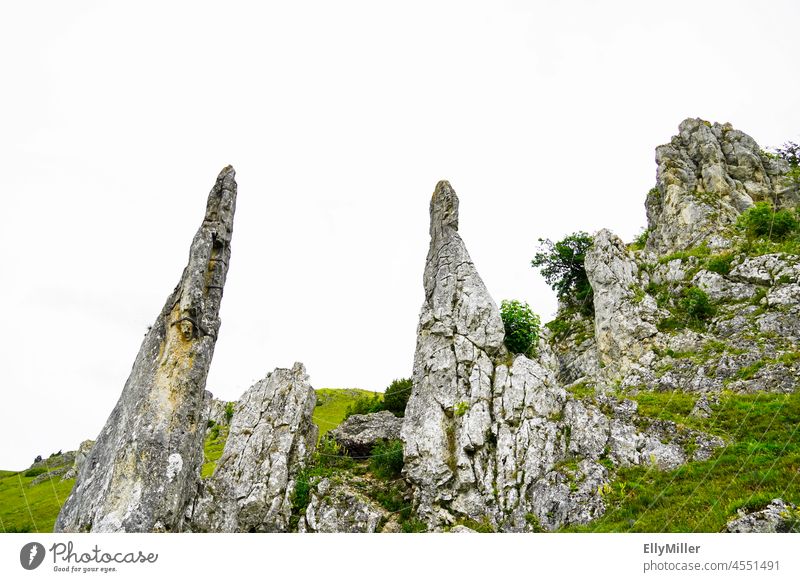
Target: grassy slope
[(25, 508), (332, 405), (760, 462)]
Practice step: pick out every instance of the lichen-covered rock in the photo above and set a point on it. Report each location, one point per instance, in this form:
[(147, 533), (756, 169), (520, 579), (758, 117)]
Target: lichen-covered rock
[(80, 458), (336, 507), (360, 432), (216, 411), (624, 316), (145, 464), (493, 437), (707, 175), (777, 517), (271, 438)]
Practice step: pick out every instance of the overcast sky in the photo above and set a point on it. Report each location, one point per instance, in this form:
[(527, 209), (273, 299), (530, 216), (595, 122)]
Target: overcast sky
[(339, 117)]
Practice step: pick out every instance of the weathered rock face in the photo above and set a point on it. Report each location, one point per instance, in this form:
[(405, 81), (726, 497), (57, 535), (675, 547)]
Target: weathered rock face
[(493, 437), (339, 508), (145, 465), (271, 437), (625, 316), (777, 517), (359, 433), (707, 175), (216, 410), (80, 458)]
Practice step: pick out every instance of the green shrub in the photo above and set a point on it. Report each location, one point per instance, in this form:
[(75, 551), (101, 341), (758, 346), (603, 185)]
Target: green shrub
[(35, 472), (521, 326), (641, 240), (386, 460), (696, 304), (228, 412), (396, 396), (562, 266), (762, 221), (364, 405), (330, 454), (720, 263), (213, 434)]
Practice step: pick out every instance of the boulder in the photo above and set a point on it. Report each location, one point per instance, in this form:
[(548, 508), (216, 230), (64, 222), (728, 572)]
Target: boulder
[(271, 438), (360, 432), (335, 507), (777, 517)]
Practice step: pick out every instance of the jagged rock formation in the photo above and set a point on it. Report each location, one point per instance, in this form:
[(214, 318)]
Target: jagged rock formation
[(624, 323), (491, 436), (271, 437), (707, 175), (80, 459), (337, 507), (145, 465), (215, 410), (359, 433), (777, 517)]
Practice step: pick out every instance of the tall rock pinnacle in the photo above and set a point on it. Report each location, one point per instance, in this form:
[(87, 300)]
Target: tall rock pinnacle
[(490, 436), (144, 467)]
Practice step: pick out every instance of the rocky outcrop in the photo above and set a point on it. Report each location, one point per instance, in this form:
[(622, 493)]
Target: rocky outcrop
[(216, 411), (493, 437), (777, 517), (360, 432), (707, 175), (624, 316), (336, 507), (145, 464), (271, 437), (80, 459)]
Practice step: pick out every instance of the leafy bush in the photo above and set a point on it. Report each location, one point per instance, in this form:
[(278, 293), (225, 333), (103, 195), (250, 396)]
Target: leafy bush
[(364, 405), (396, 396), (720, 263), (696, 304), (562, 266), (641, 240), (386, 460), (330, 454), (762, 221), (789, 152), (228, 412), (521, 325), (35, 472)]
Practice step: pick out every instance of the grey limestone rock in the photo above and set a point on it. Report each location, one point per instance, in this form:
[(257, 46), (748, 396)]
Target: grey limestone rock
[(625, 316), (492, 436), (80, 458), (271, 437), (145, 464), (359, 433), (777, 517), (339, 508), (707, 175)]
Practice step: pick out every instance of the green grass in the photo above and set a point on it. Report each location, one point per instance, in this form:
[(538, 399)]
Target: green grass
[(212, 450), (332, 405), (760, 462), (26, 508)]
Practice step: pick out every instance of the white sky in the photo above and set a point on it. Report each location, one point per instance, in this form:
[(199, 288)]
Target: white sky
[(339, 118)]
